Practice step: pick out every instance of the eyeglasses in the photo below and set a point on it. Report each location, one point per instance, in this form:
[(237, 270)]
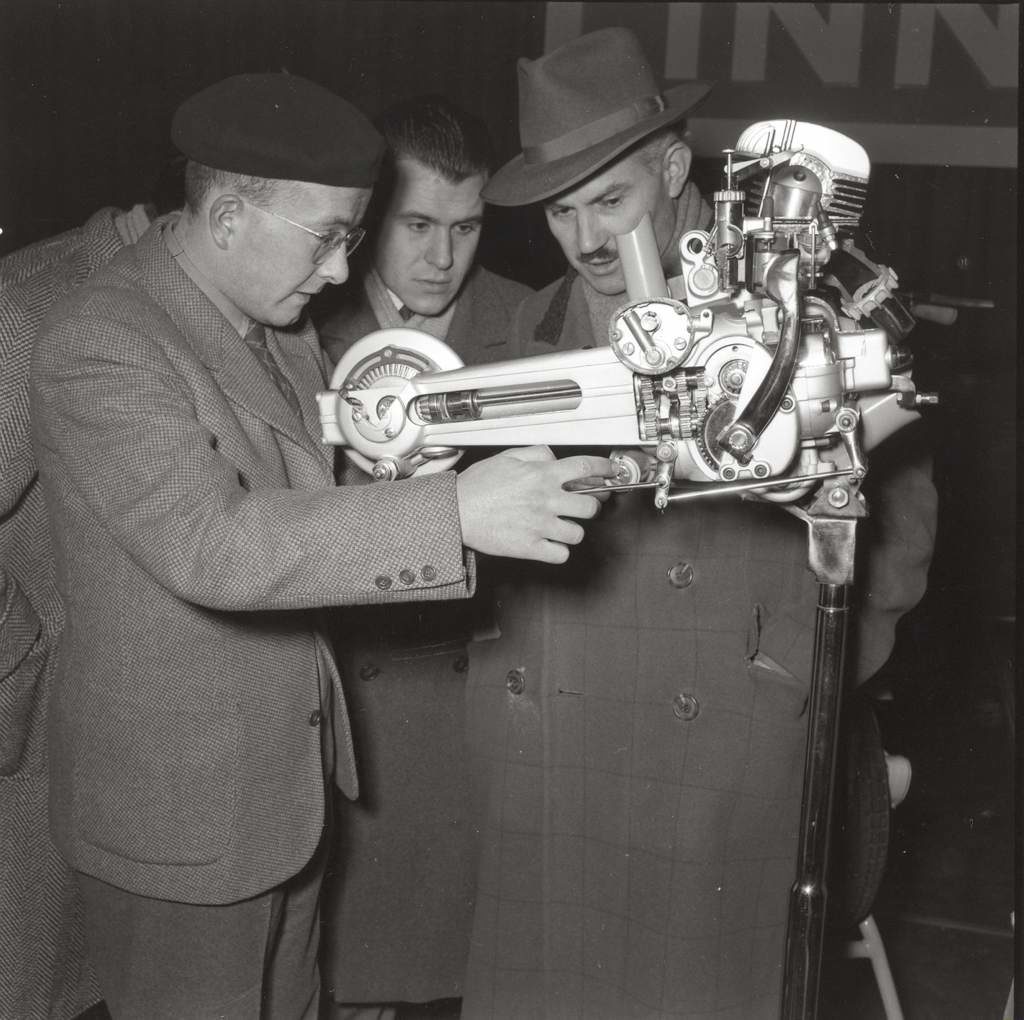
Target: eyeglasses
[(329, 242)]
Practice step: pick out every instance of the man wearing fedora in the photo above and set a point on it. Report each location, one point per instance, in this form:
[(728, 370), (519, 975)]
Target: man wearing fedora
[(198, 716), (637, 730)]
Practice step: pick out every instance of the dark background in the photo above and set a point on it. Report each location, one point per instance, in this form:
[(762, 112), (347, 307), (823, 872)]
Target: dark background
[(88, 88)]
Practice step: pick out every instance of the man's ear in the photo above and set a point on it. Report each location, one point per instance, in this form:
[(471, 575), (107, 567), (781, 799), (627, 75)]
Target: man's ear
[(224, 219), (675, 167)]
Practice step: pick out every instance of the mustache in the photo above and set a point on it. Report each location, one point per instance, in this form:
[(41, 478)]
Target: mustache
[(603, 254)]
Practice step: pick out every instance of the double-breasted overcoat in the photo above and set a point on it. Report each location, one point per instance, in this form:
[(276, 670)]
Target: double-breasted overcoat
[(637, 738)]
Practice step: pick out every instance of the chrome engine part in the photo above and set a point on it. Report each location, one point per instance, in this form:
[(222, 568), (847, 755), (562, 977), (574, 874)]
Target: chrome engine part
[(768, 365)]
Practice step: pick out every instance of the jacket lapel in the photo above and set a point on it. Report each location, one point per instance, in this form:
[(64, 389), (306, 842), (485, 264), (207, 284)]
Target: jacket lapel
[(303, 361)]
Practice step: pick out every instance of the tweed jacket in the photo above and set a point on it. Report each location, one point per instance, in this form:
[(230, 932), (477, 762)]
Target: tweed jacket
[(637, 738), (398, 913), (43, 972), (198, 531)]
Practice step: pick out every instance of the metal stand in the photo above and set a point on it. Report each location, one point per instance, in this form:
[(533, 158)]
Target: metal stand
[(832, 522)]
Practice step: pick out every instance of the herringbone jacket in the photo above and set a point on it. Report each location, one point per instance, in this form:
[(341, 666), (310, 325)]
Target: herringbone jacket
[(198, 532), (43, 973)]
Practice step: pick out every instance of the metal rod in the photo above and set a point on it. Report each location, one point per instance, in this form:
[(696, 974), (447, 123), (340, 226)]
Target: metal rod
[(808, 897), (701, 491)]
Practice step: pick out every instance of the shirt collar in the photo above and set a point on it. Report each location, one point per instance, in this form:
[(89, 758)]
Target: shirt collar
[(395, 299)]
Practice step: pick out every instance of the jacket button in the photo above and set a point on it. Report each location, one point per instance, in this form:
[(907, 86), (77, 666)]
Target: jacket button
[(681, 575), (315, 717), (383, 582), (429, 573), (407, 576), (685, 706), (461, 664), (369, 672), (515, 680)]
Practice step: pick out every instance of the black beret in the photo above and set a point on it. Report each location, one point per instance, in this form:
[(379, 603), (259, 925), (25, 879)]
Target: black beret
[(279, 126)]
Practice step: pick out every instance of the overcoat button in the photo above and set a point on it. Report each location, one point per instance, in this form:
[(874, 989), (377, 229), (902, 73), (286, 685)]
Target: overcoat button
[(315, 717), (429, 573), (383, 582), (369, 672), (461, 664), (685, 706), (515, 681), (681, 575), (406, 577)]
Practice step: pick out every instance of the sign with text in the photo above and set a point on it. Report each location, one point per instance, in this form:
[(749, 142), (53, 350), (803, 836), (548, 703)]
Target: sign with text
[(914, 83)]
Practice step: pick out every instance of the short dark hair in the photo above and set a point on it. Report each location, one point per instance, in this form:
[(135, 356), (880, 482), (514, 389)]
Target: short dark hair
[(200, 179), (440, 135)]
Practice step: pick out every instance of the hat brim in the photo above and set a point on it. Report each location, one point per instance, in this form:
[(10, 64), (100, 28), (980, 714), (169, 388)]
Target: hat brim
[(518, 183)]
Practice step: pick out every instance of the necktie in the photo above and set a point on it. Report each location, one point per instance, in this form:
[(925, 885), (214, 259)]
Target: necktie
[(406, 313), (256, 339)]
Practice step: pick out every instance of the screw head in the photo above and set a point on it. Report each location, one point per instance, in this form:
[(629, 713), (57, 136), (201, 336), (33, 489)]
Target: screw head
[(738, 440), (680, 575), (685, 706)]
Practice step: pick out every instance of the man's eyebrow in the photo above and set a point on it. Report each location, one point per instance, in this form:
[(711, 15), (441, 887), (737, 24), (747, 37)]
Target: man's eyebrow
[(411, 214), (336, 223), (609, 192), (612, 189)]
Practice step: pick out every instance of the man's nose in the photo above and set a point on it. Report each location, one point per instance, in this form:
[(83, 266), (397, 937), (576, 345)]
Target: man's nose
[(439, 252), (334, 269), (589, 235)]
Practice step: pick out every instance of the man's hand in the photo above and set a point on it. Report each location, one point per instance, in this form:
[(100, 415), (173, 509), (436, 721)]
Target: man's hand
[(514, 504)]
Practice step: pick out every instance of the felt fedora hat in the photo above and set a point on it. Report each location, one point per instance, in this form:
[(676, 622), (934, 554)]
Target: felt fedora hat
[(580, 106)]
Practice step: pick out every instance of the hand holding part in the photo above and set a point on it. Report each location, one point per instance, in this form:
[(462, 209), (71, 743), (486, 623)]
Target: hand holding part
[(516, 504)]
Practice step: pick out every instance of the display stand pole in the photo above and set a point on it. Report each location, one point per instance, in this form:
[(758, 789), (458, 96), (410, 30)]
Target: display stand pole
[(832, 545)]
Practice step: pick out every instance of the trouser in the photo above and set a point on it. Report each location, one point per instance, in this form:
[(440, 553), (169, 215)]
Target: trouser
[(158, 960)]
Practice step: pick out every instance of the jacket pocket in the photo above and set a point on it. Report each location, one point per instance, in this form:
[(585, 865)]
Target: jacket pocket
[(24, 654), (156, 786), (22, 692)]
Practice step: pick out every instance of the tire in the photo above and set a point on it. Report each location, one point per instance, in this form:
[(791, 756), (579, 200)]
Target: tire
[(860, 820)]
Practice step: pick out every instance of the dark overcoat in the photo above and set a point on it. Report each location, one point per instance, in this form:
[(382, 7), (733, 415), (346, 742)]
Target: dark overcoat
[(398, 909), (637, 738), (198, 532), (43, 971)]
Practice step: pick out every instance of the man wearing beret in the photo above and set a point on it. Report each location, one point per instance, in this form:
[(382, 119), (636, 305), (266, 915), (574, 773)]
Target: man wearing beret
[(637, 731), (197, 712)]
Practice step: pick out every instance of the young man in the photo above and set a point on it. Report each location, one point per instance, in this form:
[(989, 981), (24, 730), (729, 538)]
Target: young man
[(637, 732), (401, 902), (424, 273), (198, 712)]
